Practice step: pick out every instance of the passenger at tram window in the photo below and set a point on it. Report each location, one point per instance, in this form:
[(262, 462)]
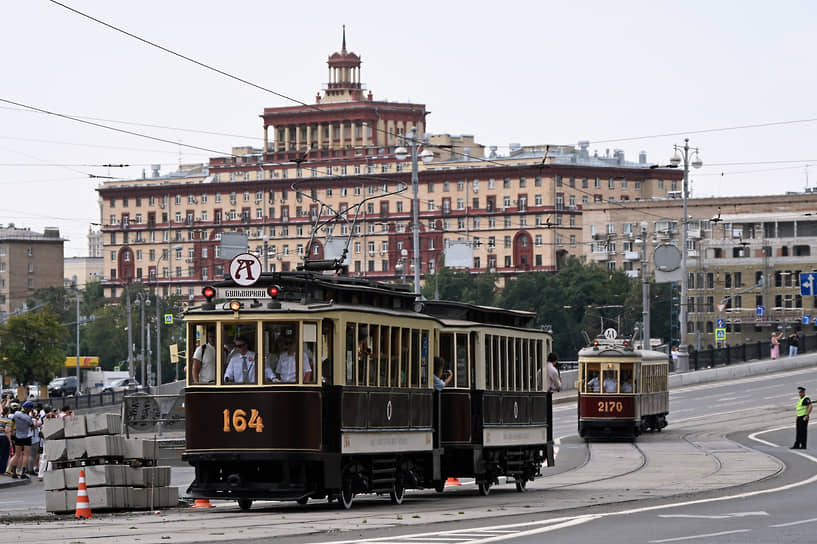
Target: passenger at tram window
[(610, 383), (441, 382), (229, 348), (287, 366), (593, 381), (241, 368), (626, 381), (327, 334)]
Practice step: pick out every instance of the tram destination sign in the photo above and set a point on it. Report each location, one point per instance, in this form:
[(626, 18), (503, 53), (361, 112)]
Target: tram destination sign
[(232, 293)]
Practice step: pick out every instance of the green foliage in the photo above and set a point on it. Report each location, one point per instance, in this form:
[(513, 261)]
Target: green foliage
[(461, 286), (31, 346), (579, 297)]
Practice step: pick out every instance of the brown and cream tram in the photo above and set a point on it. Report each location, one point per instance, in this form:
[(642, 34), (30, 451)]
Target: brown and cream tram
[(323, 388), (622, 391)]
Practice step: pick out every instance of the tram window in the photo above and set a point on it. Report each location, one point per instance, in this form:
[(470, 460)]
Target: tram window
[(609, 382), (310, 343), (327, 350), (283, 361), (626, 377), (489, 367), (384, 356), (364, 353), (520, 364), (202, 348), (374, 353), (540, 367), (424, 358), (591, 378), (239, 363), (499, 367), (405, 349), (461, 361), (415, 358), (351, 343), (394, 357)]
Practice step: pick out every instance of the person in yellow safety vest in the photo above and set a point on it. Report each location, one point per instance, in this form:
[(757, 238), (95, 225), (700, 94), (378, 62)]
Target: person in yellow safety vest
[(804, 407)]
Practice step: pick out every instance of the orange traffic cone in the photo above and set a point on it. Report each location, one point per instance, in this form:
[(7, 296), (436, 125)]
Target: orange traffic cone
[(202, 503), (83, 505), (453, 481)]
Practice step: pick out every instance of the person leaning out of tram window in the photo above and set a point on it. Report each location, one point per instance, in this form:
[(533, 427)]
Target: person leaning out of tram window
[(626, 381), (241, 368), (554, 379), (439, 371)]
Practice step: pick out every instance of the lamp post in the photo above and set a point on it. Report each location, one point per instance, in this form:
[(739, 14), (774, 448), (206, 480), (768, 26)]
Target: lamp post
[(159, 321), (645, 290), (266, 256), (79, 381), (427, 155), (683, 353), (142, 300)]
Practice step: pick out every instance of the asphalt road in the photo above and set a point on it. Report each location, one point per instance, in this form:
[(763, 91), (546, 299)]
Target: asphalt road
[(721, 472)]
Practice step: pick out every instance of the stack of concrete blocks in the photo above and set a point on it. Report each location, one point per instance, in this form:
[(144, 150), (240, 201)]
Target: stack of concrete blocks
[(120, 473)]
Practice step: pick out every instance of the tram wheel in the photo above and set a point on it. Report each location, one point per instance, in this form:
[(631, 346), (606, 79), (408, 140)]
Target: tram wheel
[(397, 493), (347, 495), (439, 486), (245, 504), (521, 485), (303, 500), (484, 488)]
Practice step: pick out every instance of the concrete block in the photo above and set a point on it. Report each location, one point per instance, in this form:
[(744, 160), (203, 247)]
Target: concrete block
[(54, 480), (76, 447), (104, 445), (107, 498), (137, 498), (169, 496), (105, 475), (137, 448), (71, 477), (53, 428), (103, 424), (56, 449), (75, 426), (60, 501), (148, 476)]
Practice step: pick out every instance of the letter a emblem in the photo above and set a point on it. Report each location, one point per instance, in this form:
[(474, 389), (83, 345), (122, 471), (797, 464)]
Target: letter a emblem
[(245, 269)]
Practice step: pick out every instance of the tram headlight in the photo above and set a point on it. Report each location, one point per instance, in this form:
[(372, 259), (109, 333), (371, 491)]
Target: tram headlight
[(235, 305)]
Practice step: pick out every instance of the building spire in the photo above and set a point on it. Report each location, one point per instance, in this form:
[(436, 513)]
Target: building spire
[(343, 48)]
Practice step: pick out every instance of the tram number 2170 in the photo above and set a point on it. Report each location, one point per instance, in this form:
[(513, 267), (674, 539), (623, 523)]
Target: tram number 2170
[(609, 406), (237, 421)]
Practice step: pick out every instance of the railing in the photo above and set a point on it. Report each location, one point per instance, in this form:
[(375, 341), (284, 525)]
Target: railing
[(741, 353)]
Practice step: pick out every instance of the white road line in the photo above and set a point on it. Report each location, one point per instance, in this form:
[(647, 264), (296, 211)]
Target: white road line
[(754, 437), (812, 520), (680, 538)]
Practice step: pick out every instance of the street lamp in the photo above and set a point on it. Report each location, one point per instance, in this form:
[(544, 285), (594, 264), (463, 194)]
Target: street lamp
[(683, 353), (158, 320), (427, 156), (142, 300)]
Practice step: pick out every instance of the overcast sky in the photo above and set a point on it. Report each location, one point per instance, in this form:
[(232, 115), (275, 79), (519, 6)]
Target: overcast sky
[(630, 75)]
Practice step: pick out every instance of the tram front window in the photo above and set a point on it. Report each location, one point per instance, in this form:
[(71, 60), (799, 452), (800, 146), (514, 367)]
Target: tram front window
[(610, 381), (241, 362), (281, 361)]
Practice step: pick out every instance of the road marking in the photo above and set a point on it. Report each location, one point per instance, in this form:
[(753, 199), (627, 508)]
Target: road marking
[(709, 535), (754, 437), (812, 520), (715, 516)]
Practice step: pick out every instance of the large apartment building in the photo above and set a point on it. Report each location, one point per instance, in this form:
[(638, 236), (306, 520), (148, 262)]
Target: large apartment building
[(28, 261), (514, 213)]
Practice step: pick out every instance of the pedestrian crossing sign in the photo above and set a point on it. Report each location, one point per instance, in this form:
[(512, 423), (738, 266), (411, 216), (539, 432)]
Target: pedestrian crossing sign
[(720, 334)]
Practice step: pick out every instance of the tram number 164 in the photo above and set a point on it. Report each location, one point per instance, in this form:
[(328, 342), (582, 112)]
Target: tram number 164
[(610, 406), (238, 422)]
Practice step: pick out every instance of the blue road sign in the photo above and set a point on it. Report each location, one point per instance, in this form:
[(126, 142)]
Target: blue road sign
[(720, 334), (720, 323), (807, 281), (760, 310), (806, 319), (168, 319)]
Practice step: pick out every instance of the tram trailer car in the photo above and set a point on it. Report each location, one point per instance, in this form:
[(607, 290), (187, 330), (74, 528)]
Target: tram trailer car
[(623, 392), (338, 395)]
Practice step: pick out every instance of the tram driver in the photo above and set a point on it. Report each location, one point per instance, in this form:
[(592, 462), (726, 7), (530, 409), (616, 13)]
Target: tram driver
[(241, 368)]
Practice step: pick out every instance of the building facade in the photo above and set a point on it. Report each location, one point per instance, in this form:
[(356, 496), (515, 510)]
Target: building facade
[(79, 271), (333, 164), (28, 261), (744, 257)]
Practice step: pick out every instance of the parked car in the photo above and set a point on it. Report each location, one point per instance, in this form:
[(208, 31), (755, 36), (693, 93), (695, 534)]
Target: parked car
[(61, 387), (122, 384)]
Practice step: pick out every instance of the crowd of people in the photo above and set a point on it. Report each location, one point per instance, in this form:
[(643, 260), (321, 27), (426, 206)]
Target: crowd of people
[(21, 442)]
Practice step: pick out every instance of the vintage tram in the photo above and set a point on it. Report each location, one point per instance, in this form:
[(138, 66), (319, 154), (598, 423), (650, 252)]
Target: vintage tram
[(622, 391), (327, 391)]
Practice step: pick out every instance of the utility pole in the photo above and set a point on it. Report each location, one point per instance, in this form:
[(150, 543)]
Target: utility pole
[(645, 290)]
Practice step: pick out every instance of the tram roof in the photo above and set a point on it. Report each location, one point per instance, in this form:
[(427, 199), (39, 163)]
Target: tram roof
[(462, 311)]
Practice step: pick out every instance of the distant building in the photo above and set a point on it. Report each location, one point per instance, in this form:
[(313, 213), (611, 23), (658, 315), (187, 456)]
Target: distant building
[(95, 245), (79, 271), (28, 261), (513, 213)]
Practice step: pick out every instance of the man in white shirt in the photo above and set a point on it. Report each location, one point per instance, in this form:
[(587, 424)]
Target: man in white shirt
[(241, 368), (610, 384), (287, 367), (204, 361), (554, 379)]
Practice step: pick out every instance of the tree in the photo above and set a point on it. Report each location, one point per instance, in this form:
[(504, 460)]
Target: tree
[(461, 286), (31, 346)]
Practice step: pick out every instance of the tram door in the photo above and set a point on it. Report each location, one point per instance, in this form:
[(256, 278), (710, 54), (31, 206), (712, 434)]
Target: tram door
[(454, 404)]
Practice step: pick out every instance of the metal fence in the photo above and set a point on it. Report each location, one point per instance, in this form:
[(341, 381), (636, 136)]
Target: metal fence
[(728, 355)]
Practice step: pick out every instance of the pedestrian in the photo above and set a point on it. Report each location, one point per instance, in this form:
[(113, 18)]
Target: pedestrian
[(554, 379), (801, 424), (5, 442), (794, 343), (775, 345), (23, 432)]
